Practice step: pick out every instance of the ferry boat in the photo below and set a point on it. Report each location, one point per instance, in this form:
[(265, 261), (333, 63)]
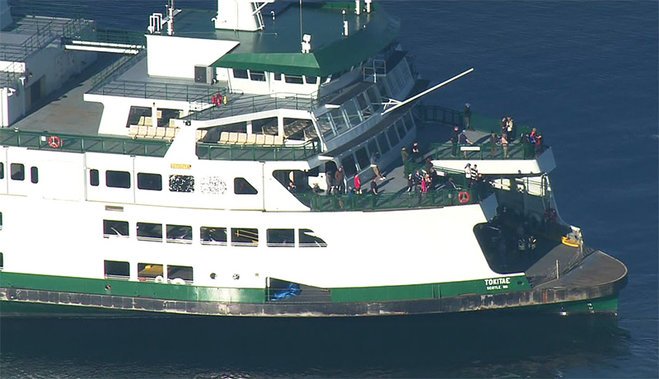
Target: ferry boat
[(209, 185)]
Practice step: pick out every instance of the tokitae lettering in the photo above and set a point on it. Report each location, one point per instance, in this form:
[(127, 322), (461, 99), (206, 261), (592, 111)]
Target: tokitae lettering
[(495, 281)]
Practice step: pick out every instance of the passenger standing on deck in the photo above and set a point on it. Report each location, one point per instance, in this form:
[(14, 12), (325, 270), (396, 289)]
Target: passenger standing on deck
[(474, 174), (374, 186), (510, 127), (338, 179), (416, 154), (358, 184), (493, 144), (329, 178), (468, 173), (464, 141), (504, 125), (455, 136), (374, 165), (504, 145), (404, 155), (468, 116), (428, 164)]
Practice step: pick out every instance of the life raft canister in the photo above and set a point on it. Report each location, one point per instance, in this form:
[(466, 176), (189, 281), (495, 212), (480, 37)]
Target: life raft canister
[(463, 197), (55, 142)]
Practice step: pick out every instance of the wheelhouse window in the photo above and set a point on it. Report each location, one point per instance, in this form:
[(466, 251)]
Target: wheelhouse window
[(2, 170), (17, 171), (116, 269), (149, 232), (307, 238), (0, 220), (338, 120), (351, 111), (181, 183), (117, 179), (150, 182), (179, 274), (348, 163), (34, 174), (179, 233), (362, 158), (244, 237), (311, 79), (94, 179), (243, 187), (150, 272), (293, 79), (258, 76), (382, 141), (393, 137), (211, 235), (112, 228), (240, 74), (281, 237), (277, 76)]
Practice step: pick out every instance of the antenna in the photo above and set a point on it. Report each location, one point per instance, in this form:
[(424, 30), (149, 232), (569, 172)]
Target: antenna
[(345, 24), (170, 17), (300, 20), (357, 7)]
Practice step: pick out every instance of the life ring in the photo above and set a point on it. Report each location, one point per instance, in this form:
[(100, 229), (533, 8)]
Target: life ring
[(463, 197), (569, 242), (55, 142), (159, 279)]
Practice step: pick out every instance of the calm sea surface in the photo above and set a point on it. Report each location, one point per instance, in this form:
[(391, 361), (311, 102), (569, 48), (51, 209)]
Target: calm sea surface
[(585, 72)]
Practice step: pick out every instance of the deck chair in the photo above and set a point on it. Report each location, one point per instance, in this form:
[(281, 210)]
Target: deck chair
[(224, 137), (242, 138), (160, 132), (260, 139), (132, 132)]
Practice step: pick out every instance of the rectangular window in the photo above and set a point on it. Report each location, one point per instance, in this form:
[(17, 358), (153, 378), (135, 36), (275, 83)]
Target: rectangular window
[(309, 239), (409, 122), (281, 237), (244, 237), (151, 182), (2, 261), (94, 178), (0, 220), (351, 111), (258, 76), (293, 79), (348, 163), (382, 141), (372, 147), (34, 175), (117, 179), (149, 232), (311, 79), (393, 137), (179, 274), (149, 272), (17, 171), (362, 158), (277, 76), (179, 233), (181, 183), (2, 170), (211, 235), (113, 228), (239, 74), (338, 120), (116, 269), (400, 127)]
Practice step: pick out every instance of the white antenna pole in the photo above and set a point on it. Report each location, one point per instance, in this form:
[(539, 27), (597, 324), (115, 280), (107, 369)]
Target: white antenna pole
[(428, 91), (357, 7), (300, 20), (170, 18)]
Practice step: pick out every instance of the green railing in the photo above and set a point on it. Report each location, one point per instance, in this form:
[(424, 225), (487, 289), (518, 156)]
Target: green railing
[(81, 144), (215, 151), (399, 200), (241, 104)]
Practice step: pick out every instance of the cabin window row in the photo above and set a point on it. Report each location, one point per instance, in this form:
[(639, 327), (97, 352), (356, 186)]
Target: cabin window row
[(211, 235), (260, 76), (17, 172), (149, 272), (154, 182), (350, 114)]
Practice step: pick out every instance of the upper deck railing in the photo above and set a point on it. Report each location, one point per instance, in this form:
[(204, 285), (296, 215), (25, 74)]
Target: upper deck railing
[(214, 151), (82, 144), (516, 150), (382, 201)]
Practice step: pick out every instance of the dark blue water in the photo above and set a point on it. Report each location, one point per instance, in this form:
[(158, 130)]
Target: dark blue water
[(583, 72)]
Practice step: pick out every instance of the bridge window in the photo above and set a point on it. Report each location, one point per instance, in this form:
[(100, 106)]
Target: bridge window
[(117, 179), (240, 74), (151, 182), (400, 126), (115, 228), (277, 76), (0, 220), (258, 76), (382, 141), (348, 163), (179, 233), (243, 187), (211, 235), (2, 170), (17, 171), (244, 237), (2, 261), (307, 238), (116, 270), (393, 137), (149, 232), (149, 272), (293, 79), (281, 237), (179, 274), (362, 158), (94, 178), (311, 79), (181, 183)]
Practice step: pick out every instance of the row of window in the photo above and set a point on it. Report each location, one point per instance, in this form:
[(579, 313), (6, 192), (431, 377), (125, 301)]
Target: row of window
[(380, 144), (351, 113), (17, 172), (211, 235), (154, 182), (259, 76), (149, 272)]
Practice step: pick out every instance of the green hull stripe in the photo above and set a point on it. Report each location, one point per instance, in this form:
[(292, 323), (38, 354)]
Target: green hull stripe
[(431, 291), (255, 295)]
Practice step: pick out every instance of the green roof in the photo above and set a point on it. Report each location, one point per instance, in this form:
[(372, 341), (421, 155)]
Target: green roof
[(330, 51)]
